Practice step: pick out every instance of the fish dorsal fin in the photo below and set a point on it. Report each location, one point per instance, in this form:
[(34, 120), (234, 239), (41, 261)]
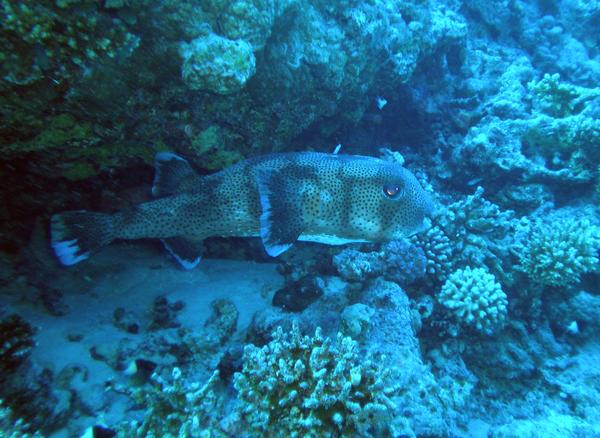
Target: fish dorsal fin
[(281, 219), (186, 250), (173, 174)]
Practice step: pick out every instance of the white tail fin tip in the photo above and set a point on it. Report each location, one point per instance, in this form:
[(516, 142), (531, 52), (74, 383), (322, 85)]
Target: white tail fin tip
[(66, 252)]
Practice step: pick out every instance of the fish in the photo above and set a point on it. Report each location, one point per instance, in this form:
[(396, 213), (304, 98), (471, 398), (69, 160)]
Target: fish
[(282, 198)]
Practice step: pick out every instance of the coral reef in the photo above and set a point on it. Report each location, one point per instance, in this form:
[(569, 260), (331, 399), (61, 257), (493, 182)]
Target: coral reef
[(529, 130), (475, 298), (226, 74), (438, 250), (398, 261), (16, 342), (173, 407), (33, 51), (313, 386), (11, 428), (490, 315), (558, 252), (471, 231), (426, 405), (356, 320)]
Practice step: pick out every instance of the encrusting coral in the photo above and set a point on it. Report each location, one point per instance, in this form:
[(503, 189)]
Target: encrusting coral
[(397, 260), (224, 74)]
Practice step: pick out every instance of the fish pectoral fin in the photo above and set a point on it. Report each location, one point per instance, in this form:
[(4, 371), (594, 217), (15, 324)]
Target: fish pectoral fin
[(186, 250), (281, 219), (172, 174)]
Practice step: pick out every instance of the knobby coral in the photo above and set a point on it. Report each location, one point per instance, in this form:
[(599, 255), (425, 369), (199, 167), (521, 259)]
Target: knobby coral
[(470, 231), (558, 252), (475, 298)]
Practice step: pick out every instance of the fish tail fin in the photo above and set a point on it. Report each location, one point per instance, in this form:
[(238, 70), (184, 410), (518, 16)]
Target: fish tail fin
[(76, 234)]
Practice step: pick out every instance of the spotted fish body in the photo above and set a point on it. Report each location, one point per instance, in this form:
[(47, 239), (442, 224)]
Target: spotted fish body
[(282, 198)]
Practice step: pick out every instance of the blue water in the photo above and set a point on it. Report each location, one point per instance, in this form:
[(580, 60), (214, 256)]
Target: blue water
[(482, 323)]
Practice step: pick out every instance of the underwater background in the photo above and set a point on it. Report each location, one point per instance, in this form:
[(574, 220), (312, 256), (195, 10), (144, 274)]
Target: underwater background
[(485, 324)]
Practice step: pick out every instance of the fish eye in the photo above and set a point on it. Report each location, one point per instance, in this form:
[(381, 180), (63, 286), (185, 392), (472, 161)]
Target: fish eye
[(391, 190)]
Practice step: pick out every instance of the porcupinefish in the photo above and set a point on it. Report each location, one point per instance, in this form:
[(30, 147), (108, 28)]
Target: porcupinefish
[(308, 196)]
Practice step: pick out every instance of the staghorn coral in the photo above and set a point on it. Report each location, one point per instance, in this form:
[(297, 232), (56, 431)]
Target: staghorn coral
[(313, 386), (557, 253), (175, 408), (475, 298), (560, 99)]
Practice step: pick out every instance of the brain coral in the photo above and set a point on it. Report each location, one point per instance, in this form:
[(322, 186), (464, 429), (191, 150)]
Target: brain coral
[(558, 252), (475, 298), (311, 386)]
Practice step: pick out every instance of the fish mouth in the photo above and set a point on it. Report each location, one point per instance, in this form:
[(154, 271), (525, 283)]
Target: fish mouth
[(425, 224)]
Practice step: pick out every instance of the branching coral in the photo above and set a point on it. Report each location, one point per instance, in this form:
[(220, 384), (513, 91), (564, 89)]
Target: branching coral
[(566, 127), (557, 253), (475, 298), (438, 250), (174, 408), (312, 386), (528, 118), (560, 99), (471, 231), (16, 342), (10, 428)]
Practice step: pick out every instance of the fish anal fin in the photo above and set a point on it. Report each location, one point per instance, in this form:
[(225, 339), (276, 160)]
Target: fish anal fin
[(186, 250)]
